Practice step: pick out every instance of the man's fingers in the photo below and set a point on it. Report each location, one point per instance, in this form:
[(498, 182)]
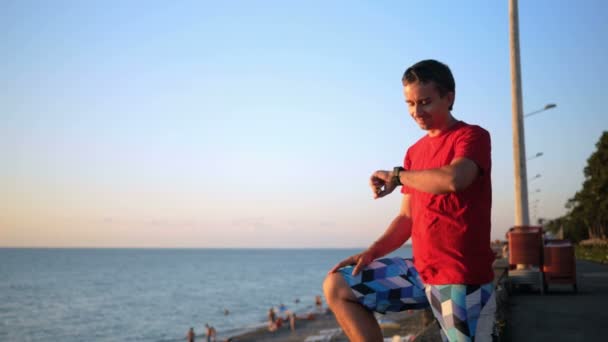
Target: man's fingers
[(358, 260), (348, 261), (336, 267), (387, 189), (375, 180), (375, 184), (381, 193), (376, 190), (380, 184), (360, 264), (384, 192)]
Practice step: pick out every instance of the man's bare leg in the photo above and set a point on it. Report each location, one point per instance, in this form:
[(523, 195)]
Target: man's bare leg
[(359, 324)]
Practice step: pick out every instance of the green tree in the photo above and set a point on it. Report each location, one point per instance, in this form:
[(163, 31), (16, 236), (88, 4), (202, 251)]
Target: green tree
[(587, 215)]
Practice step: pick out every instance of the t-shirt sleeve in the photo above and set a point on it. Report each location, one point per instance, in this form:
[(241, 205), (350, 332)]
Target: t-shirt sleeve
[(474, 144), (407, 164)]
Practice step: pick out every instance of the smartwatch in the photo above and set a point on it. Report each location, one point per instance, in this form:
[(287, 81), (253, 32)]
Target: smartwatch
[(396, 171)]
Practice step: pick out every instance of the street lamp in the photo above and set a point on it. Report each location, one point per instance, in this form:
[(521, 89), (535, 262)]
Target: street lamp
[(539, 154), (546, 107)]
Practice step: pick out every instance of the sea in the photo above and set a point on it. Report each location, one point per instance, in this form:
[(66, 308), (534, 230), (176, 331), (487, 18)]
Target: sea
[(59, 294)]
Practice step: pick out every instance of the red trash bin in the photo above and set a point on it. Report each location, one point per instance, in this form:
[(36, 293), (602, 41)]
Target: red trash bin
[(525, 245), (526, 256), (559, 263)]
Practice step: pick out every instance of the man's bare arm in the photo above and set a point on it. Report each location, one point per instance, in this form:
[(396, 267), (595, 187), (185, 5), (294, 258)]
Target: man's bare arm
[(450, 178), (456, 176), (397, 233)]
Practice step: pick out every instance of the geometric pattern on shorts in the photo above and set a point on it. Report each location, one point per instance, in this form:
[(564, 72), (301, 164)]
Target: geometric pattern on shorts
[(390, 284), (458, 307)]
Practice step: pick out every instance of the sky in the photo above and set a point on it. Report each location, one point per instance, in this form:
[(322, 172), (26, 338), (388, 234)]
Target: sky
[(258, 123)]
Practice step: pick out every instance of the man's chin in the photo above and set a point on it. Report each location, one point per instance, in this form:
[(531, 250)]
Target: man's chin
[(424, 126)]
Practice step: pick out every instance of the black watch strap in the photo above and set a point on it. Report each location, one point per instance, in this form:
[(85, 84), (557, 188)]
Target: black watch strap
[(396, 171)]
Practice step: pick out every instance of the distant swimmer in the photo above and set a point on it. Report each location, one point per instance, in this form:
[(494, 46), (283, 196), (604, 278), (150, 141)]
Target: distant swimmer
[(226, 312)]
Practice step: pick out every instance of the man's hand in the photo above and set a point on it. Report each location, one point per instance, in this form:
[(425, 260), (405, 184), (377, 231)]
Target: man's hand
[(382, 183), (359, 260)]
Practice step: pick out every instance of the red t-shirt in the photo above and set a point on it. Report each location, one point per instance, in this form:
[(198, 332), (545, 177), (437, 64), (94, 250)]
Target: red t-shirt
[(451, 232)]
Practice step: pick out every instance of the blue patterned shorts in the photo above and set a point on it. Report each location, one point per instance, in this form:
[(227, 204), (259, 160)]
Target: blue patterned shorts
[(465, 312)]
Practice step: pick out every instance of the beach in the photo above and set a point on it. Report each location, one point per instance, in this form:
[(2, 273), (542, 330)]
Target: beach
[(401, 323)]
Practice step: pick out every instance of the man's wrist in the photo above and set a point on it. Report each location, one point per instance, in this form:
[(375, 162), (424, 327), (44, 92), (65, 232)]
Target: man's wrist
[(375, 250)]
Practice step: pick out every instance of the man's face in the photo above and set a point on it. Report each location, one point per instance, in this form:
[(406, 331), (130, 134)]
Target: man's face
[(429, 110)]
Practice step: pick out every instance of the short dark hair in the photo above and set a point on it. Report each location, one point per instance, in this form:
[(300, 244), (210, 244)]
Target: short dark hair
[(431, 70)]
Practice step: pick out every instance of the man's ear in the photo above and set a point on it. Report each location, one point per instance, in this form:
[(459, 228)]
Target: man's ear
[(451, 97)]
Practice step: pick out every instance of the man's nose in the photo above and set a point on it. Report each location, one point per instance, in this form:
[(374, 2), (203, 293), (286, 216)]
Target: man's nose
[(417, 110)]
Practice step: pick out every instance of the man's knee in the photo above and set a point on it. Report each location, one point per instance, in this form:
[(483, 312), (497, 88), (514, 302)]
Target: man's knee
[(329, 287), (335, 288)]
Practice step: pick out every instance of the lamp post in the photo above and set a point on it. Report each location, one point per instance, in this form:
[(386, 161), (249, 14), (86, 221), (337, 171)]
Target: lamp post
[(539, 154), (546, 107), (522, 216), (538, 175)]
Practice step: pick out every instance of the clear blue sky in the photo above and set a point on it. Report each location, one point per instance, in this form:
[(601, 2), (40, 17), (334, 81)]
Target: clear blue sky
[(258, 123)]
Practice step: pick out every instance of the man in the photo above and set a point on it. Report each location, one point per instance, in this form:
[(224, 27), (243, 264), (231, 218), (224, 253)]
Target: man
[(445, 209), (210, 332), (190, 336)]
